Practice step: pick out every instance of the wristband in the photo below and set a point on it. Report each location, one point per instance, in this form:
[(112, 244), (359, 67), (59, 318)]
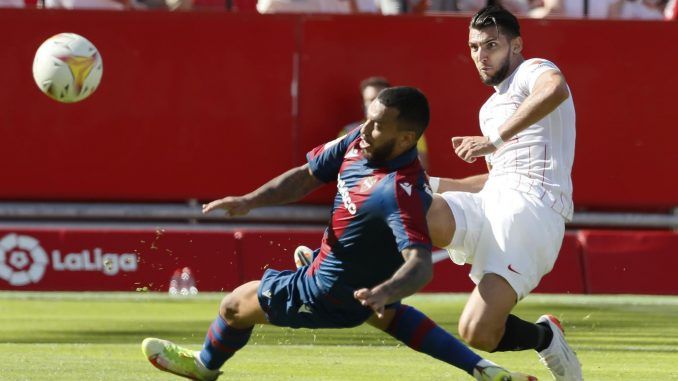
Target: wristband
[(496, 139), (434, 182)]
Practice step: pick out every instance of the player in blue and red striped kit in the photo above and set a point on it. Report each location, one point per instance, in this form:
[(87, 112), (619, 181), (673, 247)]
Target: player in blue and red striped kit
[(375, 251)]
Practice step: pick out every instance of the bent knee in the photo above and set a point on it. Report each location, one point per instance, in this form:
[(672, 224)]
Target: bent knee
[(236, 303), (229, 307), (481, 335)]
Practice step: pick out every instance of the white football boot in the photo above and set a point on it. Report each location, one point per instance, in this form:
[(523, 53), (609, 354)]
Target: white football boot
[(558, 357)]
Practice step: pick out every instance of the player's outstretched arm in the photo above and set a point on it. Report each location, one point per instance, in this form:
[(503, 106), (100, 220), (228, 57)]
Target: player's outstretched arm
[(414, 274), (289, 187)]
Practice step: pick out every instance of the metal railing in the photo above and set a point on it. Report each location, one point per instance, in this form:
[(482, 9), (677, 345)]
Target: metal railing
[(190, 213)]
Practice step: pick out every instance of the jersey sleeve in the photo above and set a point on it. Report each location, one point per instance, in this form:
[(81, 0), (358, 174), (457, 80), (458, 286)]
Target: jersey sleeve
[(529, 72), (405, 212), (325, 160)]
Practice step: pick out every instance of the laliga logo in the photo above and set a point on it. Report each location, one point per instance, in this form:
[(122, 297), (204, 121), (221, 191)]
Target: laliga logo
[(18, 251)]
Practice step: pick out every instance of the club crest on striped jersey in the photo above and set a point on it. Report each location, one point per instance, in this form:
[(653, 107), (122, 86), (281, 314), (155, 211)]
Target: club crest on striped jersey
[(368, 183)]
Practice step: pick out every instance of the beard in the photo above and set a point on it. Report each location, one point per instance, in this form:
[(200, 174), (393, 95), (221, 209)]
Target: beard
[(499, 76), (382, 153)]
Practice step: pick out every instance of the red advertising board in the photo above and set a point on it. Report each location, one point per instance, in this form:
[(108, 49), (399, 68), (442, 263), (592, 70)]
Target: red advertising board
[(115, 260), (70, 259), (630, 262)]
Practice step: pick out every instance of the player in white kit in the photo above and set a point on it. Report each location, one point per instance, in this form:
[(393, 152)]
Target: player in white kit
[(509, 224)]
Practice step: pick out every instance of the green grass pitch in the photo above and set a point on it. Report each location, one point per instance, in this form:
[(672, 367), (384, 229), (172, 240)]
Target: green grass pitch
[(97, 336)]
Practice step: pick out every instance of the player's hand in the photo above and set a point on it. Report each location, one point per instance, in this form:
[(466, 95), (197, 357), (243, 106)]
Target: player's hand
[(373, 299), (232, 206), (468, 148)]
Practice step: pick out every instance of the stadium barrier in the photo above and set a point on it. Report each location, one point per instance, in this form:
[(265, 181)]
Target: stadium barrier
[(75, 259), (197, 105), (623, 262), (63, 259)]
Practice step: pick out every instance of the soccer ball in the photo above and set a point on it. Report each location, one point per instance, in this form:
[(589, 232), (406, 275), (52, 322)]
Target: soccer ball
[(303, 256), (67, 67)]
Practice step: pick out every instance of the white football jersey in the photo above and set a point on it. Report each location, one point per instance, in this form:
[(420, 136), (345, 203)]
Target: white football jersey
[(538, 160)]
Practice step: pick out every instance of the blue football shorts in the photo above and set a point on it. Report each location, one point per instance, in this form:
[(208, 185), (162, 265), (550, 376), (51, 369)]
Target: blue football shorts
[(295, 299)]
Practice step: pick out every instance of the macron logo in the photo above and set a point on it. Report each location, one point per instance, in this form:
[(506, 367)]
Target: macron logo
[(407, 187)]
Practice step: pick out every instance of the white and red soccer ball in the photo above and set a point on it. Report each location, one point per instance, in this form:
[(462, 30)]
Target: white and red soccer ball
[(67, 67)]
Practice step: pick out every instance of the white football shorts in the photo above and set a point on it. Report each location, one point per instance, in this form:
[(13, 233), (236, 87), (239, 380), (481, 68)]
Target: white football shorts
[(505, 232)]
